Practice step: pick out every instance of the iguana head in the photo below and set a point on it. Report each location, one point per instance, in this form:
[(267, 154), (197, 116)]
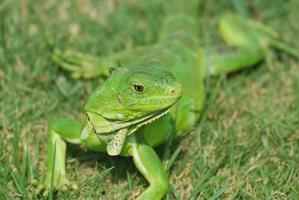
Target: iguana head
[(132, 97)]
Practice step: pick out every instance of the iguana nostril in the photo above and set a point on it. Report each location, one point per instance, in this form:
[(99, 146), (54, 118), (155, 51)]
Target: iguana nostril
[(174, 91), (171, 91)]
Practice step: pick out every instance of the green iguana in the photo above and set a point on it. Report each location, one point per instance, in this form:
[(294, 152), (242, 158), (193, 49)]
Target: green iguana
[(157, 92)]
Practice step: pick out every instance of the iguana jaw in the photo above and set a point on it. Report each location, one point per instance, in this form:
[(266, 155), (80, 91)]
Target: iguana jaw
[(148, 120), (116, 139), (101, 125)]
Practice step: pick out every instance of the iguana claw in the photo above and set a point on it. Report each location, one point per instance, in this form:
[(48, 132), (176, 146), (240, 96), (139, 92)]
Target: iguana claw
[(62, 184)]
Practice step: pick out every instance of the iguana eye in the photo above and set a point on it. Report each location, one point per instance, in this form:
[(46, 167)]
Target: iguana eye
[(138, 88)]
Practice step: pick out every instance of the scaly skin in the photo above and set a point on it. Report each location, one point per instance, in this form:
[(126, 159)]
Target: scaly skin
[(119, 112)]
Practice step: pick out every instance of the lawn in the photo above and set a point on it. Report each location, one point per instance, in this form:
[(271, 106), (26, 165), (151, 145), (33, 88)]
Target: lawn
[(246, 145)]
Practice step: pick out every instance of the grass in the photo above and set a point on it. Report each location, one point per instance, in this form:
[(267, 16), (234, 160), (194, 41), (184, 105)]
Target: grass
[(246, 147)]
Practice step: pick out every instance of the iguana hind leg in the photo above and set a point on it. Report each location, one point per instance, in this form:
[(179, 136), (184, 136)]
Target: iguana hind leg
[(232, 59), (248, 43), (246, 46), (82, 65)]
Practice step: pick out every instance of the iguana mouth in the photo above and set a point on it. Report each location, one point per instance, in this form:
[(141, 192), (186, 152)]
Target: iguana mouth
[(132, 126)]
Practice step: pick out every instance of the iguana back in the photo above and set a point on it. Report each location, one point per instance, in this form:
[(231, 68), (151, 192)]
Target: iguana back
[(178, 50)]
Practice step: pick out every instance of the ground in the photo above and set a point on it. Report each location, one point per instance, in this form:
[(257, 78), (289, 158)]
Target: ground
[(246, 145)]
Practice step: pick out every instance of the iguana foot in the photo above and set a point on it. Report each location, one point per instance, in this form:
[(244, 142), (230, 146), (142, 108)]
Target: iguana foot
[(80, 65), (61, 183)]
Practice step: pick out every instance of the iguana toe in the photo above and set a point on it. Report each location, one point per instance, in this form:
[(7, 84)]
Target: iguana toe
[(63, 184)]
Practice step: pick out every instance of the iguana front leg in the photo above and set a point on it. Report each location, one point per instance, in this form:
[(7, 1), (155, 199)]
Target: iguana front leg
[(62, 131), (149, 165)]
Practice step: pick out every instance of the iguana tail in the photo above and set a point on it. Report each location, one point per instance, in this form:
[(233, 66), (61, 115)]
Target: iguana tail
[(188, 7), (180, 21)]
